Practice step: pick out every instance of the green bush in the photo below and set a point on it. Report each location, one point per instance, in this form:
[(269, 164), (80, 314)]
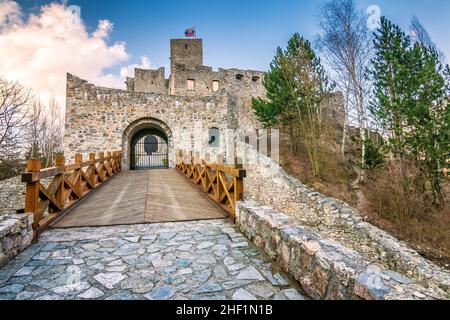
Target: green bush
[(374, 157)]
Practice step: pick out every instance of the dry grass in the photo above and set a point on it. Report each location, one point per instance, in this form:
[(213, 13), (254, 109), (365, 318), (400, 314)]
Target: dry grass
[(398, 203), (393, 200)]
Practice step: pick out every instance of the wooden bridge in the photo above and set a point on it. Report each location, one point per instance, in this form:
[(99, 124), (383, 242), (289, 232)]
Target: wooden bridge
[(98, 193)]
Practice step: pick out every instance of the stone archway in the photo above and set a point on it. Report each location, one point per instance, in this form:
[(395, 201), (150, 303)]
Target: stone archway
[(147, 124)]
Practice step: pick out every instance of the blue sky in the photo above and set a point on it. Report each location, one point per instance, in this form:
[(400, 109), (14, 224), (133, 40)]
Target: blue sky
[(236, 33)]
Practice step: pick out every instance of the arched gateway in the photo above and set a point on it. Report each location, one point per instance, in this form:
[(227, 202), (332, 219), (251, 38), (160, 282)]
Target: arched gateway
[(147, 144)]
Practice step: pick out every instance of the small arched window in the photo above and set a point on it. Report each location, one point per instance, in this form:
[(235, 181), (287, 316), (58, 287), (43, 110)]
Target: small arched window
[(255, 78), (239, 76), (214, 138)]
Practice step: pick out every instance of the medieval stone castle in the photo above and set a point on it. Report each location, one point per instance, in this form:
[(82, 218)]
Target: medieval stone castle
[(190, 78), (169, 109), (154, 117)]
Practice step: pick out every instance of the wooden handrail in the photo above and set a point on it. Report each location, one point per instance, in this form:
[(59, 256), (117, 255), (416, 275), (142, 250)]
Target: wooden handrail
[(224, 184), (68, 184)]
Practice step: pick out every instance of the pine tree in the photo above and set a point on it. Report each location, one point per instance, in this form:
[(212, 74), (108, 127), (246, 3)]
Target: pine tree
[(296, 85), (411, 102)]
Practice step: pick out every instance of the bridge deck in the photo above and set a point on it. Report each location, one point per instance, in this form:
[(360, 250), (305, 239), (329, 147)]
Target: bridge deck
[(136, 197)]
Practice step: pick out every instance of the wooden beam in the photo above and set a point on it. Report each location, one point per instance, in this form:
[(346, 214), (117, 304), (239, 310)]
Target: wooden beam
[(32, 190)]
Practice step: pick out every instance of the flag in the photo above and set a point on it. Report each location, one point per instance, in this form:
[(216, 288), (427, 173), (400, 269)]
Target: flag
[(190, 33)]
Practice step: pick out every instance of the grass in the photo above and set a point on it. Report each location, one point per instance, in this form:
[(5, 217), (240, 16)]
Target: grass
[(394, 200)]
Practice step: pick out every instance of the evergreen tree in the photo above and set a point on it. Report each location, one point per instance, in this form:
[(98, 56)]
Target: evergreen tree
[(411, 102), (296, 85)]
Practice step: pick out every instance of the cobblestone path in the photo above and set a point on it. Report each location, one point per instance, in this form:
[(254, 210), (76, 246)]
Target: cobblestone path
[(187, 260)]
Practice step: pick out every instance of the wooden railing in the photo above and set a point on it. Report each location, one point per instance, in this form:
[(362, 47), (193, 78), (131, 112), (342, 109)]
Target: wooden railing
[(224, 184), (65, 185)]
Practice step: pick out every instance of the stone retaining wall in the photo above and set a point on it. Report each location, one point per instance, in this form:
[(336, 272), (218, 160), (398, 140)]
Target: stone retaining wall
[(325, 269), (16, 234), (12, 194), (270, 185)]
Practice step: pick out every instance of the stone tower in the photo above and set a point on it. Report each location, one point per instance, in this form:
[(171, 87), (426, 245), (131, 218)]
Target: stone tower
[(187, 52)]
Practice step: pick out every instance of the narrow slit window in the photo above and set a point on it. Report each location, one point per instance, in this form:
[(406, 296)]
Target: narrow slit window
[(191, 85), (215, 85)]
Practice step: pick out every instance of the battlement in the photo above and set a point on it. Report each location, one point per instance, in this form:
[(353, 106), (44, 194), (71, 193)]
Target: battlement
[(149, 81), (189, 77)]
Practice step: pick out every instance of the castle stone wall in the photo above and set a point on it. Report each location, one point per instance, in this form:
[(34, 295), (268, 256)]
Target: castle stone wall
[(16, 234), (150, 81), (188, 52), (270, 185), (325, 269), (12, 194), (98, 118), (202, 76)]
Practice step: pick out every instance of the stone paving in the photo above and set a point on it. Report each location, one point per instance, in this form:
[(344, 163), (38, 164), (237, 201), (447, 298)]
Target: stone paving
[(198, 260)]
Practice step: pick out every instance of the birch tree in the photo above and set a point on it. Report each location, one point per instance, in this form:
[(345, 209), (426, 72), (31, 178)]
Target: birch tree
[(346, 45), (14, 102)]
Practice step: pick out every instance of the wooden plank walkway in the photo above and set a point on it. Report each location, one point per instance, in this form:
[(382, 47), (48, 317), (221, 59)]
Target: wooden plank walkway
[(136, 197)]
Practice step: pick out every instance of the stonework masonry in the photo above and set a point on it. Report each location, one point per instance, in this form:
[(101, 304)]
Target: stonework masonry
[(16, 234), (325, 269), (12, 194), (98, 118), (270, 185), (152, 81)]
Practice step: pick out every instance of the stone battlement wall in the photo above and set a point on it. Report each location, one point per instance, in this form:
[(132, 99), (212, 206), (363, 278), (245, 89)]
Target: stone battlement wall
[(97, 118), (248, 83), (16, 234), (151, 81), (12, 194), (270, 185), (325, 269)]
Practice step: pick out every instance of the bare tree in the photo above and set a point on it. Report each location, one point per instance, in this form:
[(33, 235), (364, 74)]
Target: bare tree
[(14, 102), (44, 134), (346, 44), (421, 35)]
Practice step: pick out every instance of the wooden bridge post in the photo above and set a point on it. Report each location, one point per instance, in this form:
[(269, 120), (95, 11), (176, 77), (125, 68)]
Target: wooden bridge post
[(101, 167), (91, 169), (60, 161), (32, 189), (114, 162), (77, 183), (238, 189), (108, 165)]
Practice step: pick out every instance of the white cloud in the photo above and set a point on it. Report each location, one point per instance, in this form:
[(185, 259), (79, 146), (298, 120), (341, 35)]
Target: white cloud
[(9, 13), (128, 71), (38, 51)]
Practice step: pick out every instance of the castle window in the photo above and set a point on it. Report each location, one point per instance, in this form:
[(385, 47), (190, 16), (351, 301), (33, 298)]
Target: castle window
[(191, 85), (214, 138), (239, 76), (215, 85), (186, 46), (255, 78)]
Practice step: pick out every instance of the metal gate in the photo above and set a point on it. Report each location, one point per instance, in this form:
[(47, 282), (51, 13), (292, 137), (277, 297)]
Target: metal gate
[(149, 152)]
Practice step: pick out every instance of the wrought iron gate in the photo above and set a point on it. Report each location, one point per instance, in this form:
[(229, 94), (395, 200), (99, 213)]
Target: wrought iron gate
[(149, 152)]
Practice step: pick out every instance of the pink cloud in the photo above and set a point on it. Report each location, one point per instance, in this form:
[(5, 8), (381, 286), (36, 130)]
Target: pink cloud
[(38, 51)]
